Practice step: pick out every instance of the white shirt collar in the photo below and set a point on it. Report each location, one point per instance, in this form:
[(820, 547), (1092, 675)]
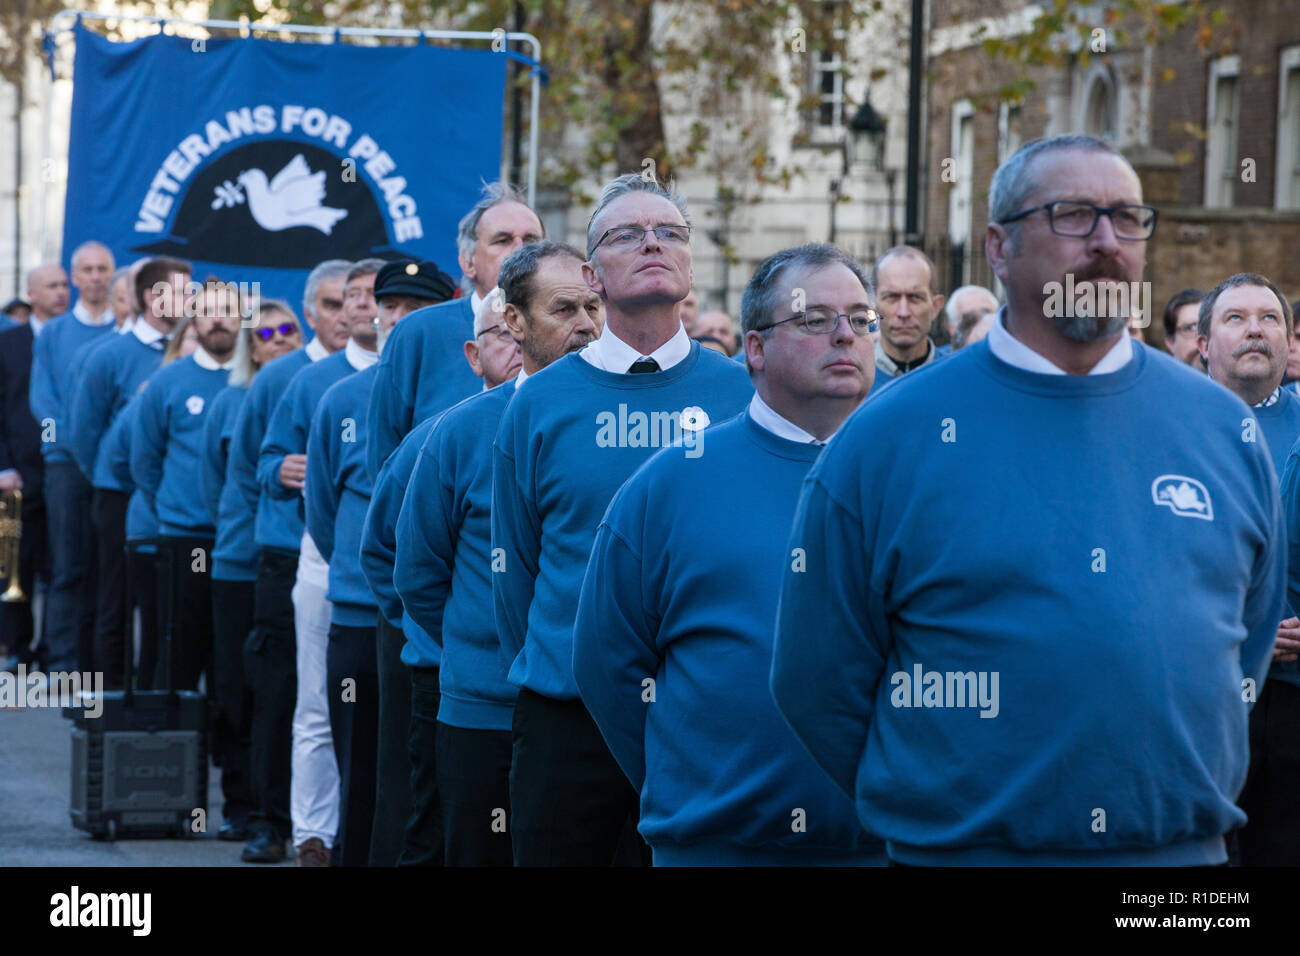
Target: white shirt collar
[(1014, 352), (146, 333), (519, 379), (474, 300), (203, 360), (316, 349), (83, 315), (36, 324), (614, 355), (358, 357), (767, 417), (126, 327)]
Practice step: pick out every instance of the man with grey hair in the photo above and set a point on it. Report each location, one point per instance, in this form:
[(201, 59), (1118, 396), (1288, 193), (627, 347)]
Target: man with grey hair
[(422, 371), (913, 607), (968, 300), (69, 620), (567, 441), (662, 582), (904, 282), (270, 667)]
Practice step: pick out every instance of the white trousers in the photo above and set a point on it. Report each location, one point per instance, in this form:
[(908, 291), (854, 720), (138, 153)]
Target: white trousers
[(314, 789)]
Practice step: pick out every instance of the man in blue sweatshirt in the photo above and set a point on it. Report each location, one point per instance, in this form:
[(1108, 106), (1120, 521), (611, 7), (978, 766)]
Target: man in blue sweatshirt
[(271, 653), (567, 441), (422, 371), (1121, 735), (111, 370), (443, 556), (167, 451), (70, 602), (1245, 329), (401, 287), (335, 496), (672, 646)]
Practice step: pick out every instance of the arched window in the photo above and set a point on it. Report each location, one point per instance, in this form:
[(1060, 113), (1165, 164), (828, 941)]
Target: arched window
[(1099, 107)]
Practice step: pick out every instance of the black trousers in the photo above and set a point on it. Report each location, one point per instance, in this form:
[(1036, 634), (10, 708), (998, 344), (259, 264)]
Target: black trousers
[(108, 514), (393, 769), (474, 787), (271, 673), (423, 845), (185, 612), (1271, 837), (70, 601), (354, 722), (570, 803), (232, 620), (17, 620), (142, 593)]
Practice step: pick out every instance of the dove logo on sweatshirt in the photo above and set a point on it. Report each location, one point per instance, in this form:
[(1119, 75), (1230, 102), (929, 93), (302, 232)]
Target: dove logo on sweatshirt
[(1185, 497), (194, 404)]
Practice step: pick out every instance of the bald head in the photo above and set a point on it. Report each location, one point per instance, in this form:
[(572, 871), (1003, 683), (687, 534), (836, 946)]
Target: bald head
[(47, 291)]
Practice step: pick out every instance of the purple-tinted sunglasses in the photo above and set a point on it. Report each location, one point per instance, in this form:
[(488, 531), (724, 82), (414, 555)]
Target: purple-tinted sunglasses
[(268, 332)]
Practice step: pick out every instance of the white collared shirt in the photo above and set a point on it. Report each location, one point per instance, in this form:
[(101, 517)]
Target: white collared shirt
[(1014, 352), (614, 355), (474, 300), (767, 417), (36, 324), (204, 360), (358, 357), (316, 349), (147, 334), (519, 379), (82, 315), (126, 327)]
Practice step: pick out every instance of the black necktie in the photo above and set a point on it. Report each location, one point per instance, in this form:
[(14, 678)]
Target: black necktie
[(643, 365)]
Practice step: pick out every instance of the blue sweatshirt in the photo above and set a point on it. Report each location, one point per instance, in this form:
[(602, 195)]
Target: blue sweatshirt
[(422, 371), (338, 493), (112, 370), (1280, 423), (682, 588), (444, 561), (278, 524), (47, 395), (1116, 570), (141, 522), (167, 445), (571, 437), (234, 556), (379, 546), (287, 434)]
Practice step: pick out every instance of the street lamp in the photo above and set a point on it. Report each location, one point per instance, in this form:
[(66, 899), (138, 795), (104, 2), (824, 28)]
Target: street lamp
[(868, 129)]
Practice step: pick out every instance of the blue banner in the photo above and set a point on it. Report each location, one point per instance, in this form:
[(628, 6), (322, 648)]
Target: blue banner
[(256, 159)]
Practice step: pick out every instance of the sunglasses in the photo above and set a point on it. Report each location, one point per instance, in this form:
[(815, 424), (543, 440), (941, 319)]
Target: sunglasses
[(284, 328)]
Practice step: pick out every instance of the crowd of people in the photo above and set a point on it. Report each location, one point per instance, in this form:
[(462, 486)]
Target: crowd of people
[(555, 567)]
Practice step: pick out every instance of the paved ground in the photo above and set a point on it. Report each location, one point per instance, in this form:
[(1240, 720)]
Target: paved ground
[(35, 830)]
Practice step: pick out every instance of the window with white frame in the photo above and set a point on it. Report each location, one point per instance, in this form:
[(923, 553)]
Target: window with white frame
[(1099, 107), (1286, 189), (826, 76), (1223, 113), (1009, 136), (963, 167)]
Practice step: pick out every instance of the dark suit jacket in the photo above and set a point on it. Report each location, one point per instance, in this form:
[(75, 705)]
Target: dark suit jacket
[(20, 435)]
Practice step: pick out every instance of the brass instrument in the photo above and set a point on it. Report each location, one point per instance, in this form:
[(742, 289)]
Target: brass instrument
[(11, 536)]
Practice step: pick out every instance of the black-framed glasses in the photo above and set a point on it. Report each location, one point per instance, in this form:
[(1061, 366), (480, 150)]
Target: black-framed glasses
[(1077, 220), (825, 321), (630, 236), (501, 330), (267, 332)]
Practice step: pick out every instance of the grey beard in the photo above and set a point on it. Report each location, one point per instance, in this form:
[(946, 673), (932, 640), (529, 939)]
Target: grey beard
[(1088, 328)]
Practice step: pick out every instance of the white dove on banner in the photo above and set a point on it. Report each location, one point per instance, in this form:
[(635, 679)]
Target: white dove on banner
[(292, 198)]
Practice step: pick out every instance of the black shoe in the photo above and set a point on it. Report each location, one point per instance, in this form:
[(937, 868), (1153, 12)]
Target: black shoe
[(233, 831), (264, 846)]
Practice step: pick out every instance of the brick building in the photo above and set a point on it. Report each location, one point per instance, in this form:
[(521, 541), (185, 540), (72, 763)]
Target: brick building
[(1214, 136)]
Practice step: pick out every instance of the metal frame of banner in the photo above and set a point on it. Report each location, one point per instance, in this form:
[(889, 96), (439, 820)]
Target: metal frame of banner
[(246, 28)]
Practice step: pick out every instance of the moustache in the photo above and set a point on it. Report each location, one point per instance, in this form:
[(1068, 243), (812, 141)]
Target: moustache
[(1256, 346), (1102, 270)]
